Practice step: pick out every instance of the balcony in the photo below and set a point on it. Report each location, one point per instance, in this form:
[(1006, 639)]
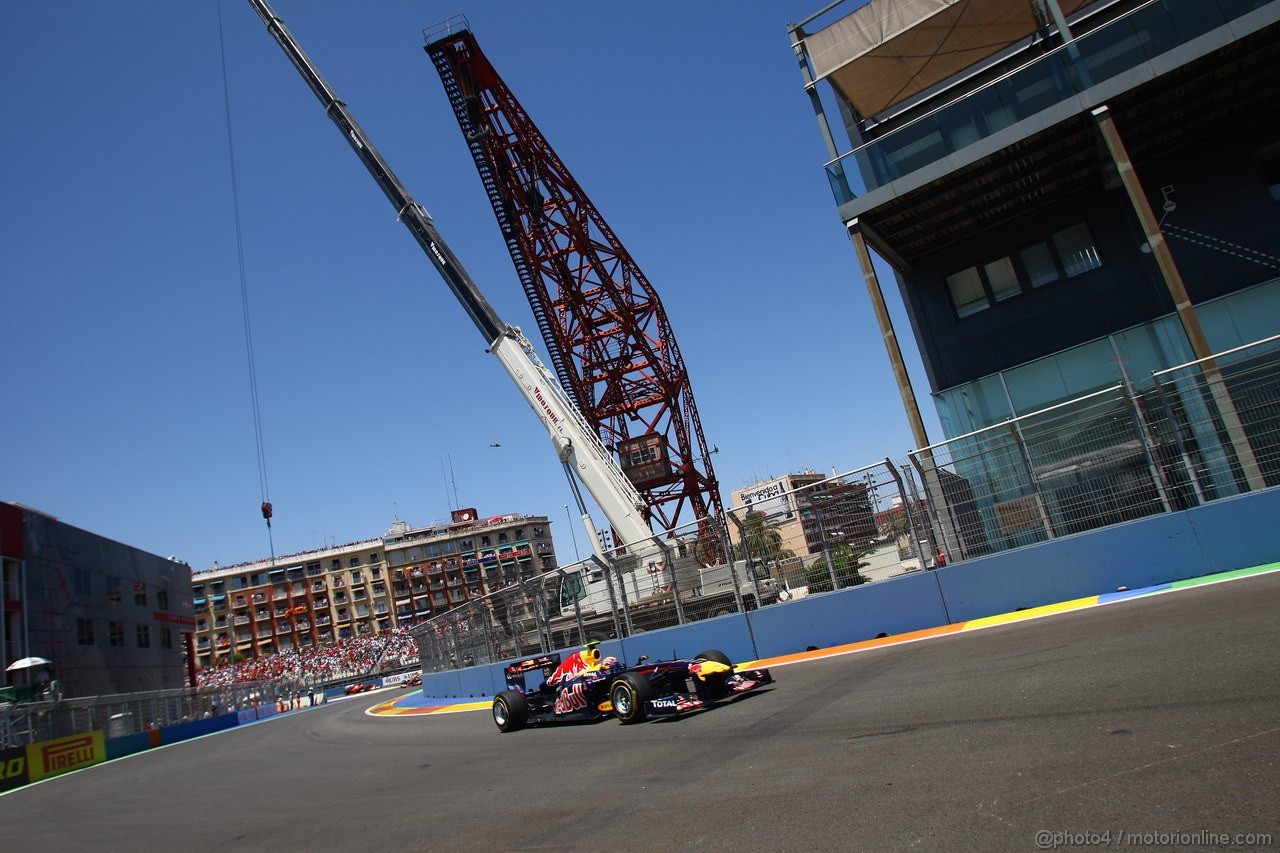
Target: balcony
[(344, 617), (243, 639), (264, 631), (241, 620), (322, 602), (280, 595), (323, 620), (259, 597), (318, 586), (202, 643), (1123, 45), (262, 614)]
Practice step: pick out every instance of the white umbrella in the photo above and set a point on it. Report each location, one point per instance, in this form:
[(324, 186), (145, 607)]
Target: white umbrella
[(26, 663)]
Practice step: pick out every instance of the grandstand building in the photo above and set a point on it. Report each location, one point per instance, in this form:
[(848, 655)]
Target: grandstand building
[(362, 588), (1069, 193)]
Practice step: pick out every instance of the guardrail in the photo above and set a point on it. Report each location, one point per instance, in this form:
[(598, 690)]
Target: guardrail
[(130, 713)]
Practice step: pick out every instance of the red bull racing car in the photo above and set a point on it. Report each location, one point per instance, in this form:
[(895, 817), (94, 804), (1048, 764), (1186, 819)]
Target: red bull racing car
[(585, 687)]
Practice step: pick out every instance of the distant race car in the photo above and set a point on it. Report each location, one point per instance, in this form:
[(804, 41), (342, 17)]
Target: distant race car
[(359, 687), (414, 680), (584, 688)]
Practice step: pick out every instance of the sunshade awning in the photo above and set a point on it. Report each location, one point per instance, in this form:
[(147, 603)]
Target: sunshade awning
[(889, 50)]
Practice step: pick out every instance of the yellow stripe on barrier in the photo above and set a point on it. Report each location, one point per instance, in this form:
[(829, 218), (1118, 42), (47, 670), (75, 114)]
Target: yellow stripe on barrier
[(1019, 615)]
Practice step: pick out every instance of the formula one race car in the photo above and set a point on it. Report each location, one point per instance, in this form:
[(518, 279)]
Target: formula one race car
[(359, 687), (584, 687)]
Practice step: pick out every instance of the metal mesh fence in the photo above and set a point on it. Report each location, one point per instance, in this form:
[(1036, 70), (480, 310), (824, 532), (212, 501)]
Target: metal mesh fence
[(130, 713), (1198, 432)]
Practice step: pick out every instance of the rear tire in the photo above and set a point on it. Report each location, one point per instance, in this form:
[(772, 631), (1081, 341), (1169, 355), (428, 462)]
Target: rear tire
[(510, 711), (628, 695)]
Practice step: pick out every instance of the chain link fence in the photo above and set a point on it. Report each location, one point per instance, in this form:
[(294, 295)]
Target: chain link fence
[(130, 713)]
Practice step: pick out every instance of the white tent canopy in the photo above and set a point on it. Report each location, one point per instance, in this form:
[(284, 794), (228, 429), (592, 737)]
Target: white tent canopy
[(888, 50)]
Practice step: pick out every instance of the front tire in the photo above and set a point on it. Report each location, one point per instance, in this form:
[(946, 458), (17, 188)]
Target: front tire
[(715, 683), (510, 711), (628, 695)]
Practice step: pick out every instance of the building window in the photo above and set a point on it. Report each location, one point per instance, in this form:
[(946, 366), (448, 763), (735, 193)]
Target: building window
[(1075, 248), (1037, 260), (115, 633), (166, 638), (502, 537), (1067, 254), (140, 593), (967, 294), (162, 599), (83, 582), (144, 636), (538, 532), (1003, 279), (84, 632), (113, 589)]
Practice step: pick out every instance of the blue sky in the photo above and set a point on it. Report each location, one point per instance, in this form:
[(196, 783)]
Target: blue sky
[(127, 408)]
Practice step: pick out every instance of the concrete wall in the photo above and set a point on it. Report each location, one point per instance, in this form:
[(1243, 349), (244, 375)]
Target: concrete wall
[(1228, 534)]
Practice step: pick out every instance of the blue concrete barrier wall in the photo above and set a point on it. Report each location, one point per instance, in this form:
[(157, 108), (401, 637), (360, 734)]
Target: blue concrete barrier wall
[(895, 606), (729, 634), (195, 728), (1230, 534), (1238, 532), (119, 747)]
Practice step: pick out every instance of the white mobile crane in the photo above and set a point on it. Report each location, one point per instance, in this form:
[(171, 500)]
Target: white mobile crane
[(576, 444)]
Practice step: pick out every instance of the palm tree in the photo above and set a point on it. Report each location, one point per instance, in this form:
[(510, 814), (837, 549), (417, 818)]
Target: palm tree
[(763, 540)]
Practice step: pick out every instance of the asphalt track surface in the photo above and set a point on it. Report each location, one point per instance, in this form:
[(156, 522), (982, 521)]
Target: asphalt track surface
[(1155, 715)]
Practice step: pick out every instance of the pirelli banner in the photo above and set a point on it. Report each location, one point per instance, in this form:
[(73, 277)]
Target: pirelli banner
[(53, 757)]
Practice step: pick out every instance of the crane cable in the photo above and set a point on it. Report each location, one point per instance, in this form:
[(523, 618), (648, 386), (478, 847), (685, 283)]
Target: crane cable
[(263, 488)]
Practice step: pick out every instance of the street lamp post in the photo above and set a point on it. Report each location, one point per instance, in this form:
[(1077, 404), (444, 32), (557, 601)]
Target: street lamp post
[(568, 516)]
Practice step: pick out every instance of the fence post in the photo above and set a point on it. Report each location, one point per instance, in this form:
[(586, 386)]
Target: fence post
[(1176, 426), (1157, 476), (1016, 432), (907, 504)]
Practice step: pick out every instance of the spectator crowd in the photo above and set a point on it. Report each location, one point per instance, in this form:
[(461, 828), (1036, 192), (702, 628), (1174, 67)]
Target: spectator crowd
[(347, 658)]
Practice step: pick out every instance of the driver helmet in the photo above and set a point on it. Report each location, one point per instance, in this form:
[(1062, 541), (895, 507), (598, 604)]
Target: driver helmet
[(610, 664)]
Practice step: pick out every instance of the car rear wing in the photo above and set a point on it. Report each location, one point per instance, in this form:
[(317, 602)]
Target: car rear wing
[(517, 672)]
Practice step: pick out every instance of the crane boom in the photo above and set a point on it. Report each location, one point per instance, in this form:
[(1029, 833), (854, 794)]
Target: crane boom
[(576, 444)]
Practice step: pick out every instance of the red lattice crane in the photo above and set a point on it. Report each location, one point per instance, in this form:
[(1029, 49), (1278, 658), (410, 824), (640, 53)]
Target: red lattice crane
[(606, 332)]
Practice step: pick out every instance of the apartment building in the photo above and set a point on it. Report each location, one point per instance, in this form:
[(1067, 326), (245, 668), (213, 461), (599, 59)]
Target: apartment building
[(362, 588)]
